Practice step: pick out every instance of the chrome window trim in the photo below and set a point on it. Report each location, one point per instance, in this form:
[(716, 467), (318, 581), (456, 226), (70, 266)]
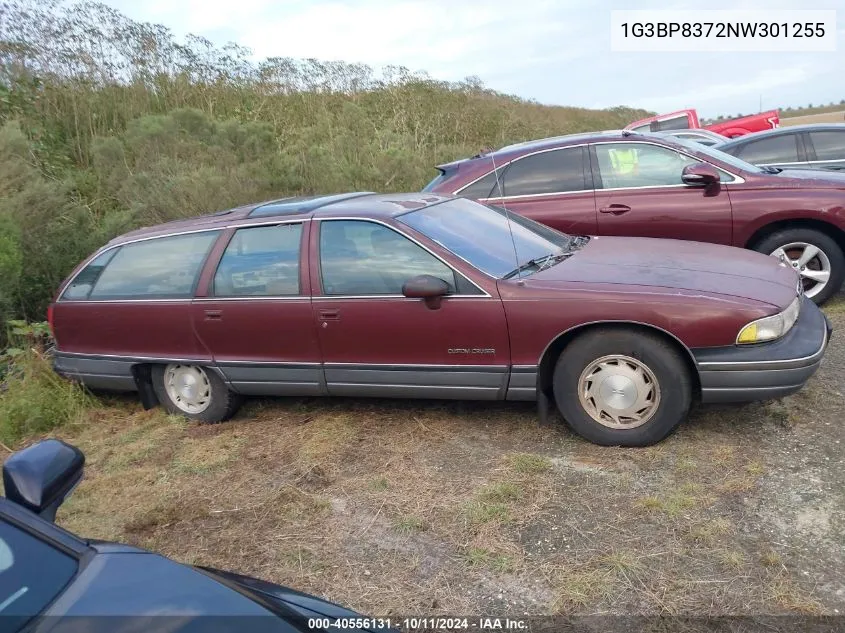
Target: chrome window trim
[(255, 298), (86, 301), (737, 179), (795, 162), (804, 162), (335, 297), (415, 241), (413, 365), (131, 357), (271, 363)]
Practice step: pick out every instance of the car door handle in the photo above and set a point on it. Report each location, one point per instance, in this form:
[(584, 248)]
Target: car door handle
[(616, 209), (329, 315), (213, 315)]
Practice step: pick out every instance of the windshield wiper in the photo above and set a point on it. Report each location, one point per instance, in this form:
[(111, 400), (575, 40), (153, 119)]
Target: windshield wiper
[(771, 170), (540, 263)]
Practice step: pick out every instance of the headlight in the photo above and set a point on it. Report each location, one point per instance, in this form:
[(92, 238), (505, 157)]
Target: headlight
[(770, 328)]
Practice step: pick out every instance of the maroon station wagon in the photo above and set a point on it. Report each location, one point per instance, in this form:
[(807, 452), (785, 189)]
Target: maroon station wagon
[(420, 295), (655, 185)]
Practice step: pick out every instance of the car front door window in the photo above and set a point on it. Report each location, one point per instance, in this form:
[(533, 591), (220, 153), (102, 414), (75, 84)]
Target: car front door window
[(365, 258), (626, 165)]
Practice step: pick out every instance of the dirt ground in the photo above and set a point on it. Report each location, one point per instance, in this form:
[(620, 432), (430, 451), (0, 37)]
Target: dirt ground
[(409, 507)]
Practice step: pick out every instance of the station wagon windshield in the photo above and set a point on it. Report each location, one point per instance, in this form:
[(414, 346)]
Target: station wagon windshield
[(480, 235)]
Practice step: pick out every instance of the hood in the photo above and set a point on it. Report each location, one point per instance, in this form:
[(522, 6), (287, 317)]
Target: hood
[(677, 265), (818, 178), (128, 590), (302, 604)]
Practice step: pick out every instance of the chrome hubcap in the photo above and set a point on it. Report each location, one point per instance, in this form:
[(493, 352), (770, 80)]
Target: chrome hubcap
[(619, 392), (809, 261), (188, 387)]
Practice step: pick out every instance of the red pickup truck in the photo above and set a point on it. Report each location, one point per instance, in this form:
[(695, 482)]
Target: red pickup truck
[(688, 119)]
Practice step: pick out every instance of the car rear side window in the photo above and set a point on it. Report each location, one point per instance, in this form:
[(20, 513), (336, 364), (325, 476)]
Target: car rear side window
[(81, 285), (829, 144), (482, 188), (161, 267), (627, 165), (782, 148), (366, 258), (261, 261), (553, 171)]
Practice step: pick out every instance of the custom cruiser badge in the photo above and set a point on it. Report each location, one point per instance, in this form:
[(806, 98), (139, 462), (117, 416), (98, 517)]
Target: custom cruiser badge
[(471, 350)]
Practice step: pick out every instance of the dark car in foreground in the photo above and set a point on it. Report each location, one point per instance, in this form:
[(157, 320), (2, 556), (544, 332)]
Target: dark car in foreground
[(54, 581), (428, 296), (653, 185), (815, 146)]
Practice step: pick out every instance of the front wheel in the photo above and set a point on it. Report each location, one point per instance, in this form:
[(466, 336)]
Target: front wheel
[(816, 257), (622, 387), (194, 391)]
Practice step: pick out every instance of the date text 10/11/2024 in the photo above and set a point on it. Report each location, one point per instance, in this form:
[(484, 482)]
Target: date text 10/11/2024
[(420, 624)]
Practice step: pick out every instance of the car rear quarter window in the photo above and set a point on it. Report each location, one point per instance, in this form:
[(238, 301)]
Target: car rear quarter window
[(366, 258), (483, 188), (829, 144), (161, 267), (628, 165), (81, 285), (32, 574), (782, 148), (554, 171), (260, 261)]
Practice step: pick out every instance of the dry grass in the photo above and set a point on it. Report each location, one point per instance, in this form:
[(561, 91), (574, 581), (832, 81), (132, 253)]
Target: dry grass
[(823, 117)]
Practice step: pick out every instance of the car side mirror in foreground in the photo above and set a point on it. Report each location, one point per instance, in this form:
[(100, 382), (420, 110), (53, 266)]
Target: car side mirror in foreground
[(42, 476), (700, 175), (427, 287)]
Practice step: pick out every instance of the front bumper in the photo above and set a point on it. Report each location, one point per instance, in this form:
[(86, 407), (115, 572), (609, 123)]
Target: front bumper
[(742, 373)]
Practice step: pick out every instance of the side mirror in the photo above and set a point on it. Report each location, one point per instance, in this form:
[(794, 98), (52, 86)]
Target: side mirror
[(42, 476), (427, 287), (700, 175)]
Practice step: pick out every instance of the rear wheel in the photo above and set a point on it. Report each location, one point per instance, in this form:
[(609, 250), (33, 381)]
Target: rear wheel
[(622, 387), (816, 257), (194, 391)]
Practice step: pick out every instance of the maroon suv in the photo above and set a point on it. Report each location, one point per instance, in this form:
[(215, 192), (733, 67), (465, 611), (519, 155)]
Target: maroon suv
[(650, 185), (419, 295)]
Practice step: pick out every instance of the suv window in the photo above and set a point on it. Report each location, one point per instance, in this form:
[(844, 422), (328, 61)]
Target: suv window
[(365, 258), (624, 165), (32, 574), (261, 261), (161, 267), (782, 148), (829, 144), (483, 188), (546, 172)]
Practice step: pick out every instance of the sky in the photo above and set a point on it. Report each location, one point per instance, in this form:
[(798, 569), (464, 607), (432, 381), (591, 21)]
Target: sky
[(553, 51)]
